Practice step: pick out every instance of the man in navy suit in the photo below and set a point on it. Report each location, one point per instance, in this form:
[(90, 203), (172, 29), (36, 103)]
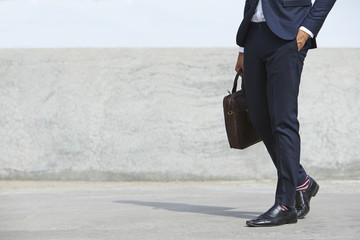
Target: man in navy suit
[(274, 38)]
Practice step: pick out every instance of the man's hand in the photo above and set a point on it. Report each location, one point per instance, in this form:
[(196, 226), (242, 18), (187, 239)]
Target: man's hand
[(240, 62), (301, 39)]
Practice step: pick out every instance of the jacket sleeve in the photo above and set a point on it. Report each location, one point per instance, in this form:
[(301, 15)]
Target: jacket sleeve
[(317, 15), (247, 6)]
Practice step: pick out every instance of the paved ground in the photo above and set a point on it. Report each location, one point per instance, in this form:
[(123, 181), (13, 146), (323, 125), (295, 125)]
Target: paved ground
[(169, 211)]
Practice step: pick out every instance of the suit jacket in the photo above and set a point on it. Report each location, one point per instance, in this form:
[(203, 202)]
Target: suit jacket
[(284, 17)]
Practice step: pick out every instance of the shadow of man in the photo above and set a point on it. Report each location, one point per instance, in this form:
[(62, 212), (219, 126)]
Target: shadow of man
[(181, 207)]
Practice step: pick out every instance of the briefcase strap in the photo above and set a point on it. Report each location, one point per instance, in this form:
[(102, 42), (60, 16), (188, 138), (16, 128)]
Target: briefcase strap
[(236, 80)]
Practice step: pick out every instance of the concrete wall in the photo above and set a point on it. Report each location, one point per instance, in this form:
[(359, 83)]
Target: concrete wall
[(156, 114)]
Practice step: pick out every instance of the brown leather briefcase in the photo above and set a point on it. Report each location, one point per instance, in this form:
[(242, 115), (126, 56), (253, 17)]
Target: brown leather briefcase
[(240, 132)]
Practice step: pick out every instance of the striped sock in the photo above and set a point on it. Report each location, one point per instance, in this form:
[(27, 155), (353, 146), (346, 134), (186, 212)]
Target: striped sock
[(283, 207), (303, 186)]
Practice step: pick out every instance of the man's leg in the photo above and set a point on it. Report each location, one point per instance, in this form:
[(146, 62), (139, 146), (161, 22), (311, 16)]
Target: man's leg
[(256, 86), (284, 66)]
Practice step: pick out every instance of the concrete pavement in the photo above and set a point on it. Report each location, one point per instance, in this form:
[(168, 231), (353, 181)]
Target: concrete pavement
[(169, 211)]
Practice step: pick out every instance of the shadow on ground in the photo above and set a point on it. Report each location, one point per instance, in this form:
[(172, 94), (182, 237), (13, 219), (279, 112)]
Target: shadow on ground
[(181, 207)]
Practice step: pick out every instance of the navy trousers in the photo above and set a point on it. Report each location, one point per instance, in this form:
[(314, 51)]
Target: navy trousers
[(272, 71)]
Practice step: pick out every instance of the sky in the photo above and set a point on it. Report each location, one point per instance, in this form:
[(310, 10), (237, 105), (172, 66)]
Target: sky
[(147, 23)]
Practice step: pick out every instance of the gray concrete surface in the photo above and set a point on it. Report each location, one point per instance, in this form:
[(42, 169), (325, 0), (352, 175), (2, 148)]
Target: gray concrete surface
[(156, 114), (163, 211)]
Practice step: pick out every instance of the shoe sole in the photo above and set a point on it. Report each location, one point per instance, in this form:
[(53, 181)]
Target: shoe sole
[(271, 225)]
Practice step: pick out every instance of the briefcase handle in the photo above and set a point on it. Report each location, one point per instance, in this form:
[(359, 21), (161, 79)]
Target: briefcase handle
[(236, 80)]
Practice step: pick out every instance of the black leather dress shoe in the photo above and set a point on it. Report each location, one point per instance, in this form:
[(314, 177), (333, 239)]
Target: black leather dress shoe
[(302, 198), (274, 216)]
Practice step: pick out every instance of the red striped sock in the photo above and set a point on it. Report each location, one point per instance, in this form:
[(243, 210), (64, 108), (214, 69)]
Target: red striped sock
[(283, 207), (303, 186)]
